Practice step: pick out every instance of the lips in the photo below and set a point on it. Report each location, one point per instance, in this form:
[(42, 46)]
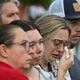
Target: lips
[(74, 37), (29, 61), (56, 56), (38, 59), (74, 40)]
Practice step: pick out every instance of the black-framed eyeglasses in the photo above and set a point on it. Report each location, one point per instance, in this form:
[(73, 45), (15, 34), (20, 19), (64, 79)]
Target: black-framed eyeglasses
[(58, 42), (23, 43)]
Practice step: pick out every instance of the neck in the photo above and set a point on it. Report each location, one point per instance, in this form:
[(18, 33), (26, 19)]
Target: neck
[(33, 74), (30, 71), (25, 70), (44, 64)]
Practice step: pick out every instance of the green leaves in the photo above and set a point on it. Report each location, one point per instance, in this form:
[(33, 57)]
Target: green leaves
[(44, 3)]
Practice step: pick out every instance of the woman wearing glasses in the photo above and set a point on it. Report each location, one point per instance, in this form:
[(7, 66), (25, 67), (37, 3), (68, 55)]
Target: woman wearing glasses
[(55, 32), (36, 48), (14, 52)]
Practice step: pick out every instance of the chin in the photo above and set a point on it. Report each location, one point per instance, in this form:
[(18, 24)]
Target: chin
[(27, 66), (53, 59), (36, 63)]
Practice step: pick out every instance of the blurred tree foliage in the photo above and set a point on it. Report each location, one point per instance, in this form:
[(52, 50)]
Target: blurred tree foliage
[(44, 3)]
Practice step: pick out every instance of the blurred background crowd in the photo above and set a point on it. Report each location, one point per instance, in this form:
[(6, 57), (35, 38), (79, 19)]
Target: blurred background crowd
[(31, 8)]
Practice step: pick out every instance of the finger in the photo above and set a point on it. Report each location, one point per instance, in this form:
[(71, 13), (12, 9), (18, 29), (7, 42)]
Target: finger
[(72, 55)]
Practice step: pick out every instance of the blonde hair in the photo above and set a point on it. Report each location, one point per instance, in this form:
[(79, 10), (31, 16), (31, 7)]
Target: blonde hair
[(50, 24)]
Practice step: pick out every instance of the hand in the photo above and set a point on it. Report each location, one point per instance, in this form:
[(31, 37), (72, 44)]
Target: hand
[(66, 61)]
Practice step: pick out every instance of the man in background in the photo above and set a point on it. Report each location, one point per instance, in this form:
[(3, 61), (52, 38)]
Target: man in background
[(8, 12)]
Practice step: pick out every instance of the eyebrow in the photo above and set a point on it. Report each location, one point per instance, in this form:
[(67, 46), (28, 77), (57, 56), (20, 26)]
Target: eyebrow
[(35, 41), (21, 41)]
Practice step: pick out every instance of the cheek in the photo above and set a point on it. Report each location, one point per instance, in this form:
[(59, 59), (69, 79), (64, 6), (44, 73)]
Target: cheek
[(19, 55), (42, 48), (73, 31), (38, 51), (18, 49), (6, 19), (50, 48)]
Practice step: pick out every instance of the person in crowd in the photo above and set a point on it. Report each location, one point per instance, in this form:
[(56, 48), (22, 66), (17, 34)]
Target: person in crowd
[(36, 44), (56, 32), (72, 15), (68, 9), (8, 12), (14, 52), (36, 10)]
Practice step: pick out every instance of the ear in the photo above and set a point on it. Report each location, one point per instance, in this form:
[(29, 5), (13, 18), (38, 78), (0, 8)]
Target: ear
[(3, 50)]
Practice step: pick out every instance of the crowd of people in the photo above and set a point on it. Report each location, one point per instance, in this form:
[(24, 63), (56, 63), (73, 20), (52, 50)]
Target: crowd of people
[(43, 49)]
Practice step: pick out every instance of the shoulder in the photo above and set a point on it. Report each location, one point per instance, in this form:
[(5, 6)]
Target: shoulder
[(11, 74), (76, 62), (76, 65), (44, 75), (75, 69)]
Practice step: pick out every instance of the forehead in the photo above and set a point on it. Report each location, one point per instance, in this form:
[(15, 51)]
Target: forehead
[(34, 35), (20, 34), (61, 34), (75, 22), (9, 7)]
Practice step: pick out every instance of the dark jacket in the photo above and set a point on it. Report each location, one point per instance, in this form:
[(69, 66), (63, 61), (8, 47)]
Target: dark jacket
[(75, 69)]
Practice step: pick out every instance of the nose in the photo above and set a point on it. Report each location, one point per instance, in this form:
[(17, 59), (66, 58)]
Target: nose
[(31, 51), (16, 17), (61, 48), (38, 48)]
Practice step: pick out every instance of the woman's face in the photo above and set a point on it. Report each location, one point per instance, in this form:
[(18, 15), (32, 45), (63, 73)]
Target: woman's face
[(18, 52), (54, 46), (36, 44)]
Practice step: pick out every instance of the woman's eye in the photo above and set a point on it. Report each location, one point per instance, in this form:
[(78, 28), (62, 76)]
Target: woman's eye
[(31, 45), (41, 41)]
